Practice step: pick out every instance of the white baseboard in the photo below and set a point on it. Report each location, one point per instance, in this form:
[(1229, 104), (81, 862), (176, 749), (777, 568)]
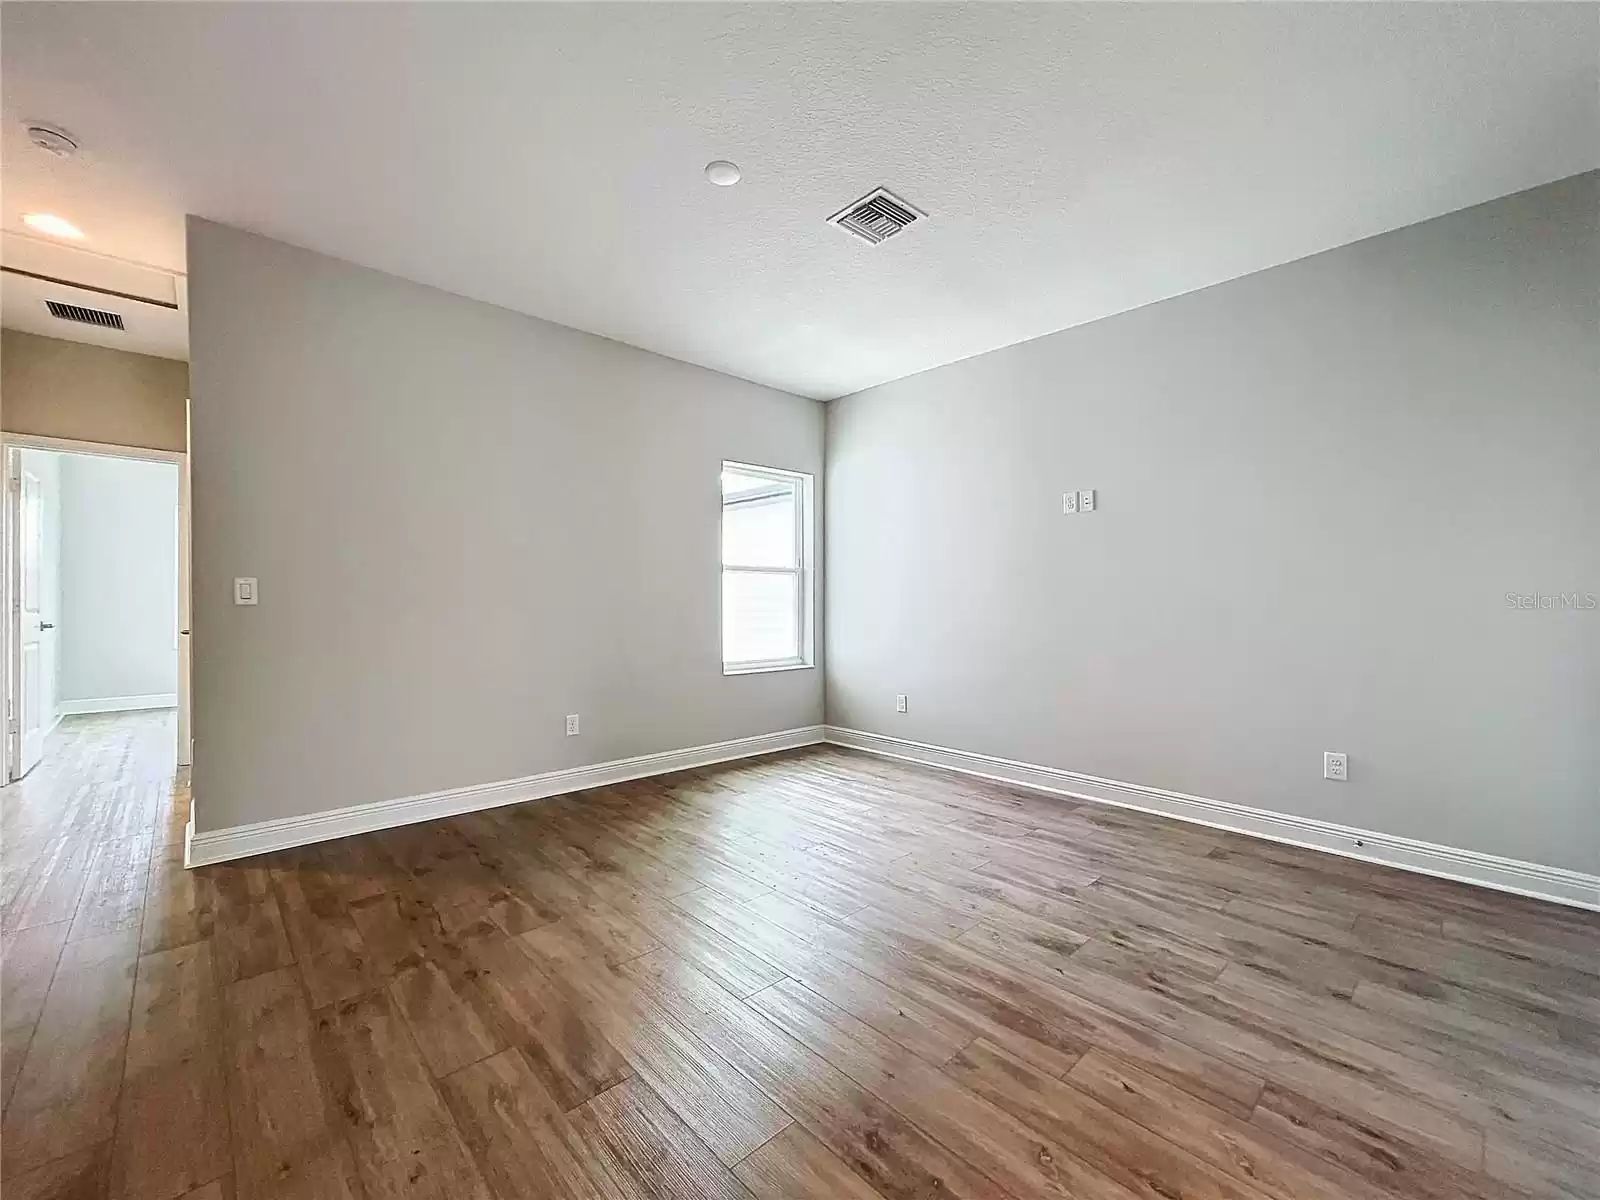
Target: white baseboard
[(242, 841), (1562, 886), (105, 704)]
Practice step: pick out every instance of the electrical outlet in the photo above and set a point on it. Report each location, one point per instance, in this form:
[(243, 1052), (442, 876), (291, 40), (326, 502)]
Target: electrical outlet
[(1335, 767), (899, 704), (1069, 502), (1086, 500), (572, 724)]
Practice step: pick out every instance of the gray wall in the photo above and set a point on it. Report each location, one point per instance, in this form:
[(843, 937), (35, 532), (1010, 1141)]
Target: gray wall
[(1316, 486), (119, 578), (466, 523)]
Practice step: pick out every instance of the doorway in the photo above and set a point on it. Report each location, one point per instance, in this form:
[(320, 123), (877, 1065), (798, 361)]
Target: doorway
[(97, 587)]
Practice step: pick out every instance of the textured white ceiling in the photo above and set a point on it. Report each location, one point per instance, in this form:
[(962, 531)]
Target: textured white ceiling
[(1075, 160)]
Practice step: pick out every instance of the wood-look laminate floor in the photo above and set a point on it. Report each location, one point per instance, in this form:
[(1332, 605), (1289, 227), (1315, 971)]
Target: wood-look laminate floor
[(813, 975)]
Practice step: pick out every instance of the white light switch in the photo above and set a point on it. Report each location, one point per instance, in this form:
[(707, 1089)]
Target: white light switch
[(244, 591), (1086, 500)]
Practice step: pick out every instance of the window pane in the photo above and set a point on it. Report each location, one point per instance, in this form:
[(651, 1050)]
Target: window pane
[(759, 617), (760, 532)]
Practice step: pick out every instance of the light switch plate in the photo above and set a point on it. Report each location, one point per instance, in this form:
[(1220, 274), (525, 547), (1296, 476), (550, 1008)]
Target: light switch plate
[(245, 591), (1086, 500)]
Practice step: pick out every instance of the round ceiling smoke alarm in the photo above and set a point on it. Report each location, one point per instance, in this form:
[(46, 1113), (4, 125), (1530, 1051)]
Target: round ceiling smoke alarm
[(722, 173), (52, 140)]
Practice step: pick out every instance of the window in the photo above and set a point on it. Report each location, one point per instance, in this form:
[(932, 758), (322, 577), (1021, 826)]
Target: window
[(766, 567)]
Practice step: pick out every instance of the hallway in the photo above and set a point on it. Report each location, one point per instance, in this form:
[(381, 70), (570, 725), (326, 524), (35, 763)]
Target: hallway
[(106, 775), (81, 835)]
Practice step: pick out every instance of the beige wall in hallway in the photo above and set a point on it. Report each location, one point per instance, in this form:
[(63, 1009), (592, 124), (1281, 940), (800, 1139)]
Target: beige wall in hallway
[(61, 389)]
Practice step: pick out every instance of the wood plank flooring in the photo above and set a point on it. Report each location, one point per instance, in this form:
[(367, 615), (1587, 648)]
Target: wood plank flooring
[(815, 975)]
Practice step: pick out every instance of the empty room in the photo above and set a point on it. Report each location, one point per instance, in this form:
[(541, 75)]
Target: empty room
[(800, 601), (98, 619)]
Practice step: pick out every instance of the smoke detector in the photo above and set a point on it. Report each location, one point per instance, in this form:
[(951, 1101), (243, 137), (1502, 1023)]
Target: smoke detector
[(877, 216), (53, 141)]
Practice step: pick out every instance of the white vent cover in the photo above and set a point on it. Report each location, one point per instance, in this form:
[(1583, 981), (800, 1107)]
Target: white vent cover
[(877, 216)]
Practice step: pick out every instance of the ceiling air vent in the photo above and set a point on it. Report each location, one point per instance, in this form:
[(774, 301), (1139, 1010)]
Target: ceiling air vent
[(877, 216), (84, 316)]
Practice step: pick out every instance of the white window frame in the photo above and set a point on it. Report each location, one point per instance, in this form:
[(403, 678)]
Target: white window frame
[(803, 570)]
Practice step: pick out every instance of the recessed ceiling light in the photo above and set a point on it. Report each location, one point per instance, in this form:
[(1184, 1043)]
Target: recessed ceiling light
[(53, 225), (722, 173)]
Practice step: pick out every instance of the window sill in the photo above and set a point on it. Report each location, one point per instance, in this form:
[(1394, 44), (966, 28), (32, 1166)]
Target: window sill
[(767, 668)]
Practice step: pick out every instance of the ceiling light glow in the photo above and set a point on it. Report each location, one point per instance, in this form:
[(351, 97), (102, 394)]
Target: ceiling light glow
[(54, 226)]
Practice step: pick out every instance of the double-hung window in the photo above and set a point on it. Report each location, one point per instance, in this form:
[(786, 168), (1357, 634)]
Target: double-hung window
[(766, 569)]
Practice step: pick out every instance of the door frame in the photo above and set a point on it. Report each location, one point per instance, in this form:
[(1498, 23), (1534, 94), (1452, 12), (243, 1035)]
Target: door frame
[(10, 563)]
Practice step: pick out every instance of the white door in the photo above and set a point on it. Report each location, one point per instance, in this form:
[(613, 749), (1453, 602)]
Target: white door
[(34, 629), (185, 737)]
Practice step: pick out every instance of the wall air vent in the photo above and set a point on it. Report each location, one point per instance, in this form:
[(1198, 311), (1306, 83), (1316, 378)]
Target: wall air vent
[(877, 216), (85, 316)]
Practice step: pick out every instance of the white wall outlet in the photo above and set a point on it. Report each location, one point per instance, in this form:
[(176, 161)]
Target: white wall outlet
[(245, 591), (1086, 500), (572, 724), (1069, 502), (1334, 766), (899, 704)]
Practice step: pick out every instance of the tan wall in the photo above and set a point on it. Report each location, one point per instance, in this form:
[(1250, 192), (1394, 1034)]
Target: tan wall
[(87, 393)]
